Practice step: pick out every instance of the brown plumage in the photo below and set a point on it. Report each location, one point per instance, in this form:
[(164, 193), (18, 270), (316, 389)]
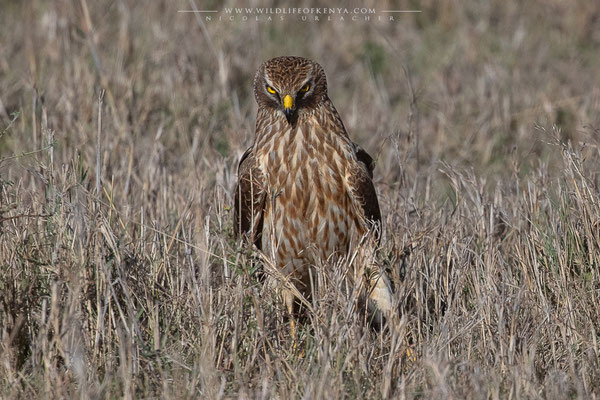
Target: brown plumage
[(305, 192)]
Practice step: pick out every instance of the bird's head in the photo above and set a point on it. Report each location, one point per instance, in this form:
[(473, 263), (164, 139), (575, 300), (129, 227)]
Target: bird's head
[(290, 85)]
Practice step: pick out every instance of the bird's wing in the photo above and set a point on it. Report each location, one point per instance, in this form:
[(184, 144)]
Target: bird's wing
[(363, 192), (379, 288), (249, 199)]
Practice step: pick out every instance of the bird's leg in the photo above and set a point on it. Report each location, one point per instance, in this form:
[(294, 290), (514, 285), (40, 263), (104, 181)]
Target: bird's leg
[(288, 298)]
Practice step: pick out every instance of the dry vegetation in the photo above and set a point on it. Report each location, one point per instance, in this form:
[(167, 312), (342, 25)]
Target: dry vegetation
[(121, 124)]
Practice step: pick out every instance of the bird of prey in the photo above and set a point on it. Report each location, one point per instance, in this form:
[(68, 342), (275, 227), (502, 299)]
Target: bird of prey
[(305, 191)]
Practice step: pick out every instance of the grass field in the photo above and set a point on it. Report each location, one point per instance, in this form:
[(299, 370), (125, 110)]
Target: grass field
[(121, 125)]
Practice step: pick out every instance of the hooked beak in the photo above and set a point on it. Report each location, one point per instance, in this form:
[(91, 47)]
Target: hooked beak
[(288, 107)]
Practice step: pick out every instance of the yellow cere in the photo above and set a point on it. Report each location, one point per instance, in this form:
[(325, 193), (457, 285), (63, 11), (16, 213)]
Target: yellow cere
[(287, 102), (271, 90)]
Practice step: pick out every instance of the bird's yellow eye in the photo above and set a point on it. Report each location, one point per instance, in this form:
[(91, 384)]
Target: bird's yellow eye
[(305, 88), (271, 90)]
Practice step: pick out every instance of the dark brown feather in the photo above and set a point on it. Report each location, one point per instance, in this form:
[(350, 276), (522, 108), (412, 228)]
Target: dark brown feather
[(365, 158), (364, 190)]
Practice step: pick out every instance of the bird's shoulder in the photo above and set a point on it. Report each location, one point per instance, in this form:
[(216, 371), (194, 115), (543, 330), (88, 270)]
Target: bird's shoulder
[(364, 159)]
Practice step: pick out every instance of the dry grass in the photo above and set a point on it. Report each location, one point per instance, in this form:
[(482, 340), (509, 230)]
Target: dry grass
[(121, 124)]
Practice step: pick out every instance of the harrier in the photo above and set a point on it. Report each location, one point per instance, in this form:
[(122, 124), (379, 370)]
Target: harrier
[(305, 192)]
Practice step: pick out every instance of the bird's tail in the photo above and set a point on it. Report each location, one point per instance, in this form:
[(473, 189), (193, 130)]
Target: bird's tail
[(379, 295)]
